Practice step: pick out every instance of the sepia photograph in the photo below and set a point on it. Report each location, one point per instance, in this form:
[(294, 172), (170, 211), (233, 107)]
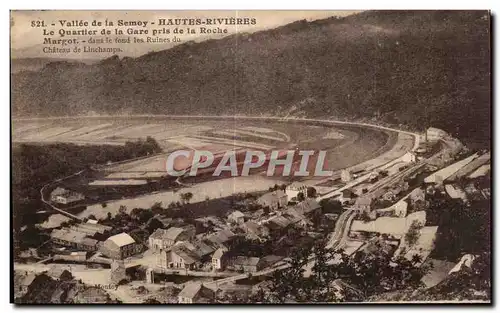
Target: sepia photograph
[(250, 157)]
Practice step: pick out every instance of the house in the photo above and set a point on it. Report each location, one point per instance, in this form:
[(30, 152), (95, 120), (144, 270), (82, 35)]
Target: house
[(346, 196), (364, 203), (118, 272), (120, 247), (67, 237), (293, 190), (296, 217), (254, 230), (97, 229), (195, 293), (345, 176), (274, 200), (25, 282), (253, 264), (64, 196), (204, 249), (222, 238), (329, 220), (374, 176), (80, 256), (74, 239), (307, 206), (180, 255), (278, 223), (60, 273), (164, 238), (219, 259), (409, 157), (401, 208), (246, 264), (417, 194), (236, 217)]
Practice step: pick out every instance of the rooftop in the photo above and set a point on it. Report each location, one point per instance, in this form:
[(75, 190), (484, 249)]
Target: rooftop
[(236, 214), (272, 196), (122, 239), (59, 191), (190, 290), (307, 206), (69, 235), (167, 234), (219, 253), (221, 237), (186, 254)]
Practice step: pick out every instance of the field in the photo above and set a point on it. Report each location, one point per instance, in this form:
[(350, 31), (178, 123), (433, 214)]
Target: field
[(347, 146)]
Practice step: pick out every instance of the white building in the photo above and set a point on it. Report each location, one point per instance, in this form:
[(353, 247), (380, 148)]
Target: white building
[(409, 157), (236, 217), (274, 200), (218, 259), (345, 176), (64, 196), (294, 189)]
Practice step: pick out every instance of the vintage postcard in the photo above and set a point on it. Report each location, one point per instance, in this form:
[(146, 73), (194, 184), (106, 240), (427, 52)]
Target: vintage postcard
[(220, 157)]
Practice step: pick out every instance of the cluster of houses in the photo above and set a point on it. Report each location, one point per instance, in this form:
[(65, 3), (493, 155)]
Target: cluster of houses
[(182, 248), (178, 248), (56, 285), (90, 237)]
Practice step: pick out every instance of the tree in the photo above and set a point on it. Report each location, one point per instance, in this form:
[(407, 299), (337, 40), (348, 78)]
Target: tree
[(122, 209), (330, 206), (300, 197), (365, 217), (186, 197), (413, 234), (416, 258), (361, 275)]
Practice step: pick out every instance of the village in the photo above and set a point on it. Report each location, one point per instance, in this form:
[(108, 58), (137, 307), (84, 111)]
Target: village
[(167, 254)]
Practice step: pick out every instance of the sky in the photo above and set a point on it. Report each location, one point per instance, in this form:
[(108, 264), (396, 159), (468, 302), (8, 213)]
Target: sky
[(28, 41)]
